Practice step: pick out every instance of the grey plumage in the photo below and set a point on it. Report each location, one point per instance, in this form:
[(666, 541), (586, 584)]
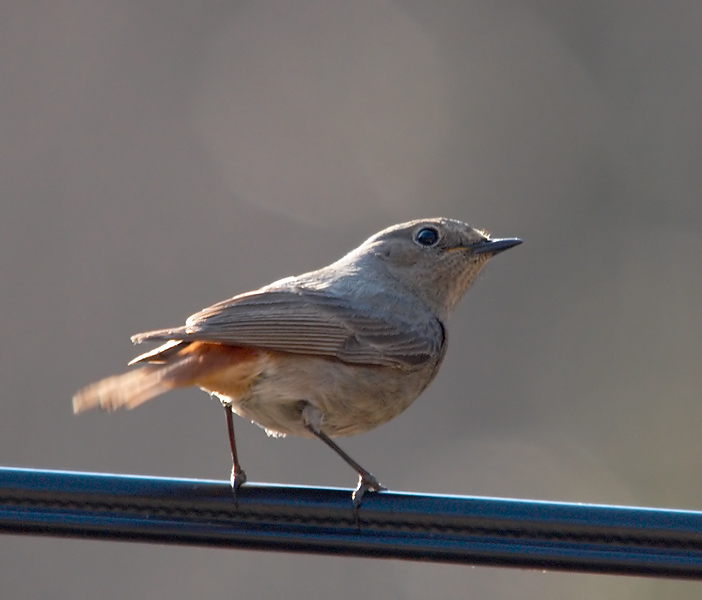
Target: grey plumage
[(332, 352)]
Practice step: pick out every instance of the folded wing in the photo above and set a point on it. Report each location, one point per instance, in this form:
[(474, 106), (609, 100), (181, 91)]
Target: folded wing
[(314, 322)]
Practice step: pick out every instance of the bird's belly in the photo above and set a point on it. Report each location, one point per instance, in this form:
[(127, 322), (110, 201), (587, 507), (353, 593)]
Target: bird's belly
[(351, 398)]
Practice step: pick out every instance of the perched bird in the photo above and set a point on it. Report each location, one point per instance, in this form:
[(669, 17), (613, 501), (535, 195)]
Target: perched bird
[(329, 353)]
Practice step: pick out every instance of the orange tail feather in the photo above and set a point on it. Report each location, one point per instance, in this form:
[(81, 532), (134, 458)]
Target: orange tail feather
[(197, 363)]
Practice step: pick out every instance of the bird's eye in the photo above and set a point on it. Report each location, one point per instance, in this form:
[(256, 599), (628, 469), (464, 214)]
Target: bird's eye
[(427, 236)]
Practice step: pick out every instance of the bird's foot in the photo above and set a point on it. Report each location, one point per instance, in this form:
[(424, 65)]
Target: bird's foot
[(366, 483), (237, 479)]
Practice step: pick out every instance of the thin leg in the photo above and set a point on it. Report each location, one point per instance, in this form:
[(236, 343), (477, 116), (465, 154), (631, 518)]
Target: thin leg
[(366, 481), (238, 477)]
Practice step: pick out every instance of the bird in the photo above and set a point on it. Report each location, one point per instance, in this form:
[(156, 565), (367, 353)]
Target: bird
[(333, 352)]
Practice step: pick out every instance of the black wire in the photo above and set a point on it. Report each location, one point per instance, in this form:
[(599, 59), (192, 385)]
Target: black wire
[(451, 529)]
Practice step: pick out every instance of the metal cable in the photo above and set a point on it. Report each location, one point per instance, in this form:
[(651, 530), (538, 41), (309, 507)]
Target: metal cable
[(451, 529)]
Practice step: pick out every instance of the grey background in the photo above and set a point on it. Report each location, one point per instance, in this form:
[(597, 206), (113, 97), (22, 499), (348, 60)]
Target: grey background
[(158, 157)]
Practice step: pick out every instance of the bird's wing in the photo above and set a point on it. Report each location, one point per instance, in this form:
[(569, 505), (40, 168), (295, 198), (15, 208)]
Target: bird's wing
[(312, 322)]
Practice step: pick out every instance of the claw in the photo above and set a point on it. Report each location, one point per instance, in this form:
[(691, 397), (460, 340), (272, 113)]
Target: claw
[(237, 479), (367, 483)]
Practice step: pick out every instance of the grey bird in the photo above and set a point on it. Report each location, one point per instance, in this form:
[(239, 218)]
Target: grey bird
[(329, 353)]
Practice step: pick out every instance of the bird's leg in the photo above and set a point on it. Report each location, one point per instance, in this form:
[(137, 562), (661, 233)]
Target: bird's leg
[(238, 477), (366, 480)]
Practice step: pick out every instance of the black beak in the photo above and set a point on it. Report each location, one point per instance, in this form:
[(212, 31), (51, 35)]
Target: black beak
[(494, 246)]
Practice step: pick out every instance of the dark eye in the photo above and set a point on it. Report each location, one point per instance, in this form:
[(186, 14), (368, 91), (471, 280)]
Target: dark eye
[(428, 236)]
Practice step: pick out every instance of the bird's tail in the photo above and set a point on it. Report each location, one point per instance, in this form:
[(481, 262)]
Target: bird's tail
[(173, 365), (127, 390)]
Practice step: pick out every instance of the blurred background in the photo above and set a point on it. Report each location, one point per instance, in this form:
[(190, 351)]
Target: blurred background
[(158, 157)]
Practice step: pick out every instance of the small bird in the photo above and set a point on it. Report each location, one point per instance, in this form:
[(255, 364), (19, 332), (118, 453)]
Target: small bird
[(333, 352)]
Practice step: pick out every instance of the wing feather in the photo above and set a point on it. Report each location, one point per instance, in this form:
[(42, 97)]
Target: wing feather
[(314, 322)]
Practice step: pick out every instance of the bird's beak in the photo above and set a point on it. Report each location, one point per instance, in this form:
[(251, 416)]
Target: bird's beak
[(494, 246)]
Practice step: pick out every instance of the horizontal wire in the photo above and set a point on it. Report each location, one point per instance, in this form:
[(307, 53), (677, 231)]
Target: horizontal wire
[(450, 529)]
